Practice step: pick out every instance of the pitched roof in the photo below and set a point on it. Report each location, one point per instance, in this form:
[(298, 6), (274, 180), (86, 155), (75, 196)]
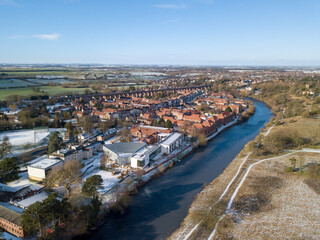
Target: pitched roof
[(11, 213)]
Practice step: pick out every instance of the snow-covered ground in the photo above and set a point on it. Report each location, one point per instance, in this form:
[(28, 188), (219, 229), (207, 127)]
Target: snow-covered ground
[(92, 167), (51, 107), (91, 164), (22, 137), (268, 131), (109, 180), (35, 138), (112, 140), (8, 111)]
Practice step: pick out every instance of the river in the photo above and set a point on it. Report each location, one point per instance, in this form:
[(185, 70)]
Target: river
[(162, 204)]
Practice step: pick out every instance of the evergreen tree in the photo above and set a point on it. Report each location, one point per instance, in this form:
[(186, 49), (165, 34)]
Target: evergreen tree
[(34, 218), (9, 169), (91, 211), (5, 147), (55, 142), (228, 109), (38, 215), (168, 124), (92, 184), (161, 121)]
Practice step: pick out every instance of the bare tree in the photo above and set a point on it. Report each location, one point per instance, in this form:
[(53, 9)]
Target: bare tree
[(125, 135), (105, 158), (185, 128), (66, 175)]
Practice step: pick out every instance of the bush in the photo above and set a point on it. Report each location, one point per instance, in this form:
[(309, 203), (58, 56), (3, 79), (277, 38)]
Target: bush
[(289, 169)]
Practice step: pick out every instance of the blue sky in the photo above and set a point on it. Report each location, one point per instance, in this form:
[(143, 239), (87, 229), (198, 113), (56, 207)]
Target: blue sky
[(193, 32)]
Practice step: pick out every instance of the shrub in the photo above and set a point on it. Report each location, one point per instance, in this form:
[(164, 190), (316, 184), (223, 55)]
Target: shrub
[(289, 169)]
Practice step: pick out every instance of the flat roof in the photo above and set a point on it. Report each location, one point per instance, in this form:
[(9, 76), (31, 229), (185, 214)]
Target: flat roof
[(45, 163), (171, 139), (31, 200)]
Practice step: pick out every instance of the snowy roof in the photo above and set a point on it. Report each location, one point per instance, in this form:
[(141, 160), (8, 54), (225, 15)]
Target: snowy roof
[(171, 139), (145, 151), (30, 200), (153, 127), (45, 163), (164, 134), (5, 188)]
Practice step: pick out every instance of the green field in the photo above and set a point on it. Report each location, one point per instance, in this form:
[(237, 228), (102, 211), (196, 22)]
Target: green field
[(52, 91), (16, 73)]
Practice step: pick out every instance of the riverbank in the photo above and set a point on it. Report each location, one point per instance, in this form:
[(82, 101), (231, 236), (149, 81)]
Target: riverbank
[(160, 206), (199, 222), (251, 198), (132, 184)]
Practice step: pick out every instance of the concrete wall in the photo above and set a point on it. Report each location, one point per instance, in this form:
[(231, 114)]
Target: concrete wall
[(36, 173), (135, 160), (113, 156)]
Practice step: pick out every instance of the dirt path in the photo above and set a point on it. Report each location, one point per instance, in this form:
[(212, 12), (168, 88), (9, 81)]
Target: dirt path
[(211, 236)]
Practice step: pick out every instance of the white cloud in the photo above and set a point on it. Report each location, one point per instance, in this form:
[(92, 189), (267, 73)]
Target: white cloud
[(51, 37), (171, 21), (171, 6)]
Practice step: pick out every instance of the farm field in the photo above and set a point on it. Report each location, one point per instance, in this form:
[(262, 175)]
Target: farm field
[(51, 90), (34, 72), (47, 81), (29, 73), (15, 83)]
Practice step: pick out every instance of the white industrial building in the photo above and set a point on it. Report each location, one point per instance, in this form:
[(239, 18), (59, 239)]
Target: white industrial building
[(139, 155), (39, 170), (143, 157), (123, 151), (171, 143)]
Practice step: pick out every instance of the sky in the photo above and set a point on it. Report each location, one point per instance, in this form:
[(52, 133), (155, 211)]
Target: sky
[(189, 32)]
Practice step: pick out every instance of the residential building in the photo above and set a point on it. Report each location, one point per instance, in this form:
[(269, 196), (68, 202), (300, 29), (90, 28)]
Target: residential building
[(171, 143)]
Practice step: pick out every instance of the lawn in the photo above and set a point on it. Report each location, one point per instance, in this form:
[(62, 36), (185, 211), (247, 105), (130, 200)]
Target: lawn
[(52, 91)]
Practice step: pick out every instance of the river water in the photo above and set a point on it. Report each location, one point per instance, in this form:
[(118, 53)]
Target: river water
[(162, 204)]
